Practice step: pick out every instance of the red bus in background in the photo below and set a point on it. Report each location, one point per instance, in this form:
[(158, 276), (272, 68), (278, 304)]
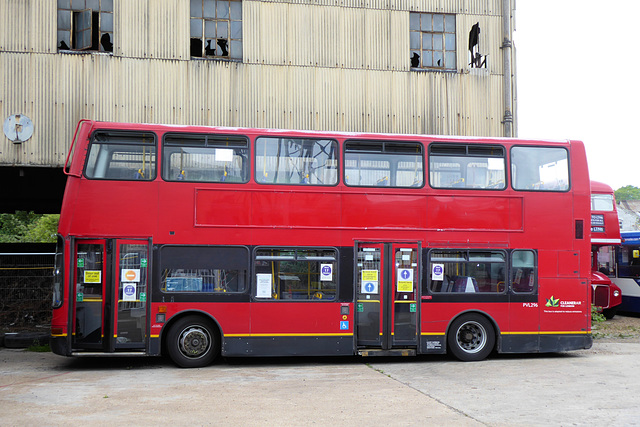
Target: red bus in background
[(605, 237), (202, 241)]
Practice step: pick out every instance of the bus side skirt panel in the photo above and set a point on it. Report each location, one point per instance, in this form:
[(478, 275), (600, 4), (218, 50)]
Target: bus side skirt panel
[(544, 343), (287, 346)]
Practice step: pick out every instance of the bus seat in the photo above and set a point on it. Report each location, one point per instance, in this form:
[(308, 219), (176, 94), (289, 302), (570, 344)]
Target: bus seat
[(465, 284)]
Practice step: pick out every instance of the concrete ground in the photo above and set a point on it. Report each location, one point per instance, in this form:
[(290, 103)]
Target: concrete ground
[(590, 387)]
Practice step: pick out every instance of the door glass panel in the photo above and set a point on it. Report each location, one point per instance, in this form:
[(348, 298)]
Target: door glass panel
[(405, 299), (368, 283), (89, 293), (132, 294)]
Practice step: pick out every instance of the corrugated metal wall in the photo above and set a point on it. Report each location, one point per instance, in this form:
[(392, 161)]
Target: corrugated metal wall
[(313, 64)]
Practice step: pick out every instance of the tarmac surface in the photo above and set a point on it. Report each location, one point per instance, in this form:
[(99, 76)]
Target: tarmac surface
[(588, 387)]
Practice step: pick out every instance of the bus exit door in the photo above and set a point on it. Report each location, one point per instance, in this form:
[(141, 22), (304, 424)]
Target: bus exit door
[(387, 295), (110, 295)]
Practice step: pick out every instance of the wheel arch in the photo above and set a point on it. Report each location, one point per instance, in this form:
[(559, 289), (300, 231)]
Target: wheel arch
[(168, 325), (492, 321)]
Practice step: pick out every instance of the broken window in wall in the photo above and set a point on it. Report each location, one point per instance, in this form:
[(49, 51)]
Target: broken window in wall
[(476, 59), (85, 25), (216, 29), (432, 39)]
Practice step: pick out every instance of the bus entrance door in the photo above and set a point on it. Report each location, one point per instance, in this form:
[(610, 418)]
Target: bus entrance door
[(387, 297), (110, 294), (89, 294)]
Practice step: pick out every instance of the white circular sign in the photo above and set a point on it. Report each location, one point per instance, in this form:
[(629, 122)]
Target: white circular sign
[(18, 128)]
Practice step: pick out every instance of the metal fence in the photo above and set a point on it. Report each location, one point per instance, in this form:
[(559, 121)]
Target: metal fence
[(26, 281)]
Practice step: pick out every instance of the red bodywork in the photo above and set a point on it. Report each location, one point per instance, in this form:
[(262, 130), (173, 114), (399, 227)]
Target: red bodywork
[(605, 232), (252, 214)]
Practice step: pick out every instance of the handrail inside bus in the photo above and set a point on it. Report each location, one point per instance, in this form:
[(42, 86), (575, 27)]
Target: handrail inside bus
[(67, 165)]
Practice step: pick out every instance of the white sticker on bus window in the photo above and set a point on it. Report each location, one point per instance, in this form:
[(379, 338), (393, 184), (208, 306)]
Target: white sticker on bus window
[(368, 257), (326, 272), (406, 257), (130, 275), (263, 285), (437, 272), (128, 292), (495, 164), (224, 155)]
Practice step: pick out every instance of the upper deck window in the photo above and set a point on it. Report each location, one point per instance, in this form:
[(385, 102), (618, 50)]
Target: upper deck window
[(467, 166), (85, 25), (299, 161), (205, 158), (122, 156), (539, 169), (383, 164), (602, 202)]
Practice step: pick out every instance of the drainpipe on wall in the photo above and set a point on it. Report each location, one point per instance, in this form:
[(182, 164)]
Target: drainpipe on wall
[(506, 54)]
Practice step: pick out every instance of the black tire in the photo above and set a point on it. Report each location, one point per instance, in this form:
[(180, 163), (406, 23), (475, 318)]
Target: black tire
[(471, 337), (192, 342), (609, 313)]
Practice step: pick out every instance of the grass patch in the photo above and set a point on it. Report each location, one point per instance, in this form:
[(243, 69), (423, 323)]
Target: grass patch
[(36, 347)]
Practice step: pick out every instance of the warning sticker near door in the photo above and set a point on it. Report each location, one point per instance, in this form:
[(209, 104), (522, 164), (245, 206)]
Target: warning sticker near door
[(128, 292), (369, 275), (326, 272), (405, 280), (92, 276), (369, 282), (437, 272), (130, 275)]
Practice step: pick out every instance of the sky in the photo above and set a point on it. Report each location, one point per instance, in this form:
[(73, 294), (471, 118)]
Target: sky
[(578, 77)]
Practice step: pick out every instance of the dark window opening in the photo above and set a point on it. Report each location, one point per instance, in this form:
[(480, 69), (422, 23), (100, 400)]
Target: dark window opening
[(216, 29), (85, 25), (476, 59)]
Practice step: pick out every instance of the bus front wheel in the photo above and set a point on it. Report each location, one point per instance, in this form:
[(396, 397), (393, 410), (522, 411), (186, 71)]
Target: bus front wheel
[(471, 337), (192, 342)]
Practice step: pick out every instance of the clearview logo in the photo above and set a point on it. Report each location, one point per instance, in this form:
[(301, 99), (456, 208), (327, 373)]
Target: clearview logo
[(552, 302)]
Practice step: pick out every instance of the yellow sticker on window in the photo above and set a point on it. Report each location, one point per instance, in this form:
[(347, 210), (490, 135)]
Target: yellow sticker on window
[(369, 275), (91, 276)]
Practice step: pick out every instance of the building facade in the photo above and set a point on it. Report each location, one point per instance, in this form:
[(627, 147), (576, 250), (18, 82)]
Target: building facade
[(400, 66)]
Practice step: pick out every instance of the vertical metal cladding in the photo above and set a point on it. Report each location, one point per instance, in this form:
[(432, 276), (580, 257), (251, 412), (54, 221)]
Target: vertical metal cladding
[(307, 64)]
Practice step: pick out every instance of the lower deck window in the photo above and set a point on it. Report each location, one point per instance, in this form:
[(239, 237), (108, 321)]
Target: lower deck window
[(466, 271), (203, 269), (296, 274), (523, 271), (202, 280)]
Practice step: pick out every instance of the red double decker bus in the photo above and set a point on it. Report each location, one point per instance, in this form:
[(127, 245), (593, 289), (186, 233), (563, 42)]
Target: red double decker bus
[(202, 241), (606, 296)]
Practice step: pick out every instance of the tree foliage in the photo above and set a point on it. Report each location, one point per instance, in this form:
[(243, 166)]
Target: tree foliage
[(628, 192), (28, 227)]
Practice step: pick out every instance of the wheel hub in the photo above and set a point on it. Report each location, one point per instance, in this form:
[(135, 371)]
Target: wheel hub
[(194, 342)]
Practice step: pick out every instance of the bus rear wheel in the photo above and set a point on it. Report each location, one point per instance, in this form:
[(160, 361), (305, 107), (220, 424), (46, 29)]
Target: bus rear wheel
[(192, 342), (471, 337)]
